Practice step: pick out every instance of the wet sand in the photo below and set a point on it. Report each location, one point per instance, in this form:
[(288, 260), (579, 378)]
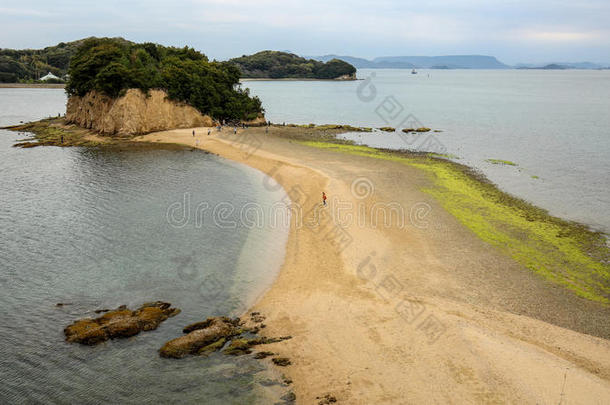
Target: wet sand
[(415, 312)]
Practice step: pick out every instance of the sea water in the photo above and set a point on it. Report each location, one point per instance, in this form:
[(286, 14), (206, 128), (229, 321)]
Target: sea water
[(553, 125), (96, 228)]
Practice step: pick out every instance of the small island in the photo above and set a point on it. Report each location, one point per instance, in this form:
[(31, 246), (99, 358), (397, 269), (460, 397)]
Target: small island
[(119, 87), (284, 65)]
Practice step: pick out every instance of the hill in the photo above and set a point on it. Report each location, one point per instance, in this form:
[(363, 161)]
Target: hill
[(283, 65), (431, 62), (451, 61), (112, 66), (562, 65), (28, 65), (361, 63)]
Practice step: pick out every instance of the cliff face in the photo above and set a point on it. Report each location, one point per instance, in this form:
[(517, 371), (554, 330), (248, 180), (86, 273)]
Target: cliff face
[(133, 113)]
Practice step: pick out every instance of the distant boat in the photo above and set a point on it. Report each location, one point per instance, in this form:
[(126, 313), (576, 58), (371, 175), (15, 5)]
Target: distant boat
[(414, 72)]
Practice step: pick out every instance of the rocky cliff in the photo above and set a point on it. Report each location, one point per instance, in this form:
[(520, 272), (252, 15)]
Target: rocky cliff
[(133, 113)]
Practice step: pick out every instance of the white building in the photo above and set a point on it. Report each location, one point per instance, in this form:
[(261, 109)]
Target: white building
[(49, 77)]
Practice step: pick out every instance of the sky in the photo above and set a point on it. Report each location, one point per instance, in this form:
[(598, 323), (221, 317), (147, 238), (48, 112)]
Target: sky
[(512, 30)]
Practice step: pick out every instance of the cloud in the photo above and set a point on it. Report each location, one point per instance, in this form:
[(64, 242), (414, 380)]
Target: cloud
[(225, 28), (563, 36), (26, 12)]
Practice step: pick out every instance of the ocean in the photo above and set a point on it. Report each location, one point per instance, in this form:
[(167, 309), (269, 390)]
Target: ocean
[(553, 125), (100, 227)]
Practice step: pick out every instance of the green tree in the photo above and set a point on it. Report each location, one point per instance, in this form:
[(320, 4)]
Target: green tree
[(112, 65)]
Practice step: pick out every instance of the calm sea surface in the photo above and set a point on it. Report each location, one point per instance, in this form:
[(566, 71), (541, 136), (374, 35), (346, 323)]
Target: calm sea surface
[(97, 228), (554, 125), (101, 227)]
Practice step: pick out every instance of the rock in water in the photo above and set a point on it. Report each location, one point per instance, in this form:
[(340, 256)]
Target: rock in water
[(120, 323), (281, 361), (199, 336)]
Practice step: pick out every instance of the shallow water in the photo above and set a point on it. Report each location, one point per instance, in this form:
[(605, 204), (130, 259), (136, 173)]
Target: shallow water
[(97, 228), (554, 125)]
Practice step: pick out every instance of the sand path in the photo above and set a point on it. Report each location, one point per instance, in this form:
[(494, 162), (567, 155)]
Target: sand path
[(415, 311)]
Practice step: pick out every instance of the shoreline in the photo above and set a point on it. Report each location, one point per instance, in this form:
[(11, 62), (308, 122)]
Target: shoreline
[(292, 79), (352, 342), (362, 314), (32, 85)]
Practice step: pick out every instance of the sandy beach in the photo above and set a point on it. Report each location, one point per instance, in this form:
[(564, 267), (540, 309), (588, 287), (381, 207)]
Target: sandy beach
[(418, 311)]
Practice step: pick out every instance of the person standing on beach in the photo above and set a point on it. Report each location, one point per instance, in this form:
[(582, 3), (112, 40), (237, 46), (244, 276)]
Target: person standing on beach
[(193, 133), (209, 130), (324, 198)]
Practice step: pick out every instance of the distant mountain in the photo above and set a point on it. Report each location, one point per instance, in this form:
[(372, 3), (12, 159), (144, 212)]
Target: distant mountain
[(563, 65), (550, 66), (451, 61), (358, 63), (431, 62)]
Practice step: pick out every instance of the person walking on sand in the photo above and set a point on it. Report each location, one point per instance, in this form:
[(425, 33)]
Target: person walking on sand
[(193, 133), (209, 130), (324, 198)]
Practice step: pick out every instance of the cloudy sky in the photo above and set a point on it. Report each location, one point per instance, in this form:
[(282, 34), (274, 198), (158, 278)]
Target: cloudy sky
[(512, 30)]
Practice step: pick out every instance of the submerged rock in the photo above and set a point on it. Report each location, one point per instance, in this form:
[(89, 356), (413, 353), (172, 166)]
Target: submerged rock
[(281, 361), (262, 355), (242, 346), (200, 335), (257, 317), (120, 323), (289, 397), (238, 347), (211, 335), (327, 399), (211, 348)]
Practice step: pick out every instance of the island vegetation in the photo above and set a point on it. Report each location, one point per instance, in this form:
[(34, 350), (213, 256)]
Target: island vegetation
[(29, 65), (111, 66), (284, 65)]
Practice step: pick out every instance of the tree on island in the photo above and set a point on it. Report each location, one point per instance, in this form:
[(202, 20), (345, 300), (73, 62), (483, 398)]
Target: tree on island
[(111, 66), (280, 65)]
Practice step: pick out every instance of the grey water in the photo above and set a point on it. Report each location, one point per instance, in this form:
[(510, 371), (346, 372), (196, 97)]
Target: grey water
[(554, 125), (96, 228)]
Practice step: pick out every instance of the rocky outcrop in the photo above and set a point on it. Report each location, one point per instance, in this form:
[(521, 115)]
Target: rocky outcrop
[(199, 336), (211, 335), (120, 323), (133, 113)]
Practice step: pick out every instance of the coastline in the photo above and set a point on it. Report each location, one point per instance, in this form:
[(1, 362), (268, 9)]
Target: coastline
[(498, 319), (292, 79), (32, 85)]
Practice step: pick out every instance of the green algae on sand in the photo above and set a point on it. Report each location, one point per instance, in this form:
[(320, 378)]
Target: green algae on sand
[(52, 132), (563, 252), (501, 162)]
